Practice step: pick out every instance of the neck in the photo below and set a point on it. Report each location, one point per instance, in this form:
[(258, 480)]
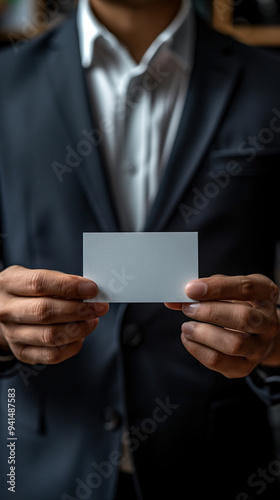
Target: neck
[(136, 23)]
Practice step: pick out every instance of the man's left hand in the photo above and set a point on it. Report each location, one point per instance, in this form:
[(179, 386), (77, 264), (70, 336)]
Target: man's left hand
[(234, 325)]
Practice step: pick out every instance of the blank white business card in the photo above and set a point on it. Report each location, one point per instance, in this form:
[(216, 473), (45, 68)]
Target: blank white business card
[(140, 267)]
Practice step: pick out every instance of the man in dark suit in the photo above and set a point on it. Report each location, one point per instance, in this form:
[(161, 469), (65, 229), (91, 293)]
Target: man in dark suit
[(178, 419)]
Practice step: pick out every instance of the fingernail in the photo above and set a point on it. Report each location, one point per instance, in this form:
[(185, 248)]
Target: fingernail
[(187, 329), (87, 290), (190, 309), (196, 289)]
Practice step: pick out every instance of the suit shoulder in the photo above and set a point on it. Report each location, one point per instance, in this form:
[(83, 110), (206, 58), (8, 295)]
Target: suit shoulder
[(251, 56), (19, 59)]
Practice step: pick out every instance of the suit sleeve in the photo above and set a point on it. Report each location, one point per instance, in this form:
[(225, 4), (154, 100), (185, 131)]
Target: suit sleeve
[(8, 362)]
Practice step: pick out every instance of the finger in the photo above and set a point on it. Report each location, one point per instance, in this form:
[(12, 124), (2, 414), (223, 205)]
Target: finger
[(20, 281), (45, 310), (175, 306), (51, 335), (47, 355), (254, 287), (235, 315), (228, 342), (229, 366)]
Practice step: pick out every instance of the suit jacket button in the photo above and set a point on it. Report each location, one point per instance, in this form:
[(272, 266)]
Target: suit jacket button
[(111, 418), (132, 335)]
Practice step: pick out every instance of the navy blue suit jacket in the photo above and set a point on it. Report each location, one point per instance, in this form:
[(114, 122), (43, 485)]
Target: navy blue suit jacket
[(190, 429)]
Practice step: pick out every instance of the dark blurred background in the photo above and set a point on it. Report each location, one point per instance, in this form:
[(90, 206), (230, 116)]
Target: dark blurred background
[(264, 12), (26, 18)]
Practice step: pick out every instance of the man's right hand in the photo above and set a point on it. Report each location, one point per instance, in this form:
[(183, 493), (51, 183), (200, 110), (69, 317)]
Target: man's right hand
[(43, 318)]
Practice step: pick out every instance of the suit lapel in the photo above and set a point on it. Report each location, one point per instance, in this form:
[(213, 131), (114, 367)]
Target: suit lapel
[(215, 70), (71, 103)]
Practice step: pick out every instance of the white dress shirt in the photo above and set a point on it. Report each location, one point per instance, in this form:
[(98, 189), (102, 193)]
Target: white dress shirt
[(137, 107)]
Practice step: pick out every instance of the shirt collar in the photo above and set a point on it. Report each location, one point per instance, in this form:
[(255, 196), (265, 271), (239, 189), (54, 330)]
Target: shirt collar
[(178, 36)]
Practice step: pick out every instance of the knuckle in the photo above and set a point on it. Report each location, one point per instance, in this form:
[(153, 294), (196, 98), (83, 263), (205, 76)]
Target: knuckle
[(268, 308), (20, 353), (36, 282), (274, 293), (11, 269), (255, 319), (247, 287), (49, 336), (243, 318), (249, 319), (52, 355), (3, 313), (5, 275), (14, 267), (43, 310), (238, 346), (58, 335), (214, 360)]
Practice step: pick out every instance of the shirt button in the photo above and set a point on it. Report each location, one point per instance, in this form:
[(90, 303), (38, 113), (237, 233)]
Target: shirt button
[(136, 95), (111, 418), (132, 336), (130, 169)]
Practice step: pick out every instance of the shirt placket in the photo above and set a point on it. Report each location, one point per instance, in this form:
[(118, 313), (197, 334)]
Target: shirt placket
[(134, 157)]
